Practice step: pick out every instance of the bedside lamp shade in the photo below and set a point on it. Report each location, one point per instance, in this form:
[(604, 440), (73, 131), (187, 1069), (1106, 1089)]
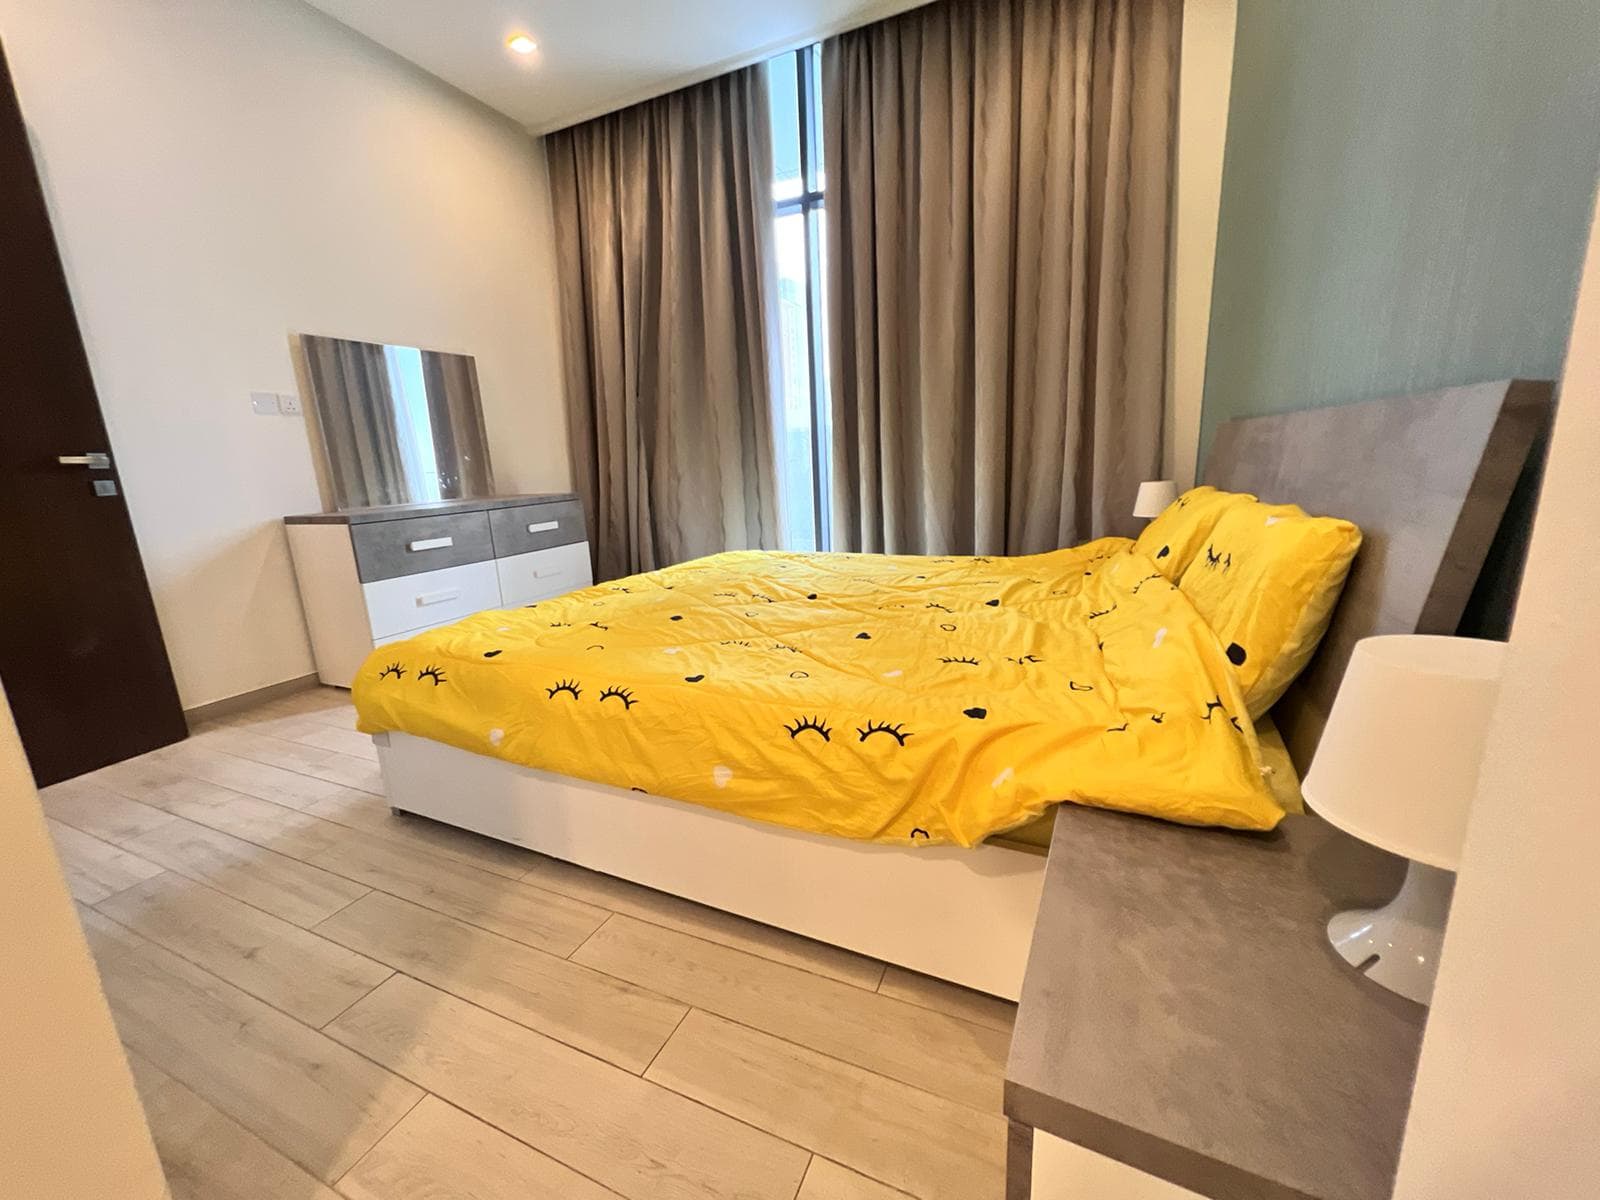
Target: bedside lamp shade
[(1153, 497), (1397, 764)]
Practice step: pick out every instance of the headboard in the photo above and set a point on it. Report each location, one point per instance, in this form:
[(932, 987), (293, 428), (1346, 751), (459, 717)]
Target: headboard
[(1426, 477)]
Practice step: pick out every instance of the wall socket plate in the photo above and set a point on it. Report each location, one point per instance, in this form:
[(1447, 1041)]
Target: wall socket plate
[(289, 404), (264, 404)]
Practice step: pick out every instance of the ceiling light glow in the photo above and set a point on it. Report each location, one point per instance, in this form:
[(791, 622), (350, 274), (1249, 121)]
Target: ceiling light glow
[(522, 43)]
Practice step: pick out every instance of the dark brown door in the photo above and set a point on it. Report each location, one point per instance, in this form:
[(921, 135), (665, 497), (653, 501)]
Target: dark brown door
[(81, 654)]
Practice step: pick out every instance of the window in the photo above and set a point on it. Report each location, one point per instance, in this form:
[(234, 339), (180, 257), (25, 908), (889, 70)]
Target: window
[(798, 215)]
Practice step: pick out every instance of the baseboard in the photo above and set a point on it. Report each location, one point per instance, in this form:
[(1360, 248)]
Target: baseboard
[(244, 700)]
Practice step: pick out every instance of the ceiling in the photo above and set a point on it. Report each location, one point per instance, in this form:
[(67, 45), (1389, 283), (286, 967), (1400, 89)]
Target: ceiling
[(594, 55)]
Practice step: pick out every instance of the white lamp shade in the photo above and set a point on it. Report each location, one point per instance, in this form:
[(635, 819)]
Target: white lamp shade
[(1397, 765), (1153, 497)]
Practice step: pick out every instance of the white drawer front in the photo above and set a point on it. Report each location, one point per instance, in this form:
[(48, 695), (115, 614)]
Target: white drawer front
[(526, 578), (429, 598)]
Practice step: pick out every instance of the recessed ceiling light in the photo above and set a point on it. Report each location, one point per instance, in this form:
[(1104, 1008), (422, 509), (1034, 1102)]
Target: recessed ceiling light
[(522, 43)]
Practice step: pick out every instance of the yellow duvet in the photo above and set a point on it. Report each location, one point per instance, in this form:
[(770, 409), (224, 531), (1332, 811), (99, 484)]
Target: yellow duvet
[(892, 699)]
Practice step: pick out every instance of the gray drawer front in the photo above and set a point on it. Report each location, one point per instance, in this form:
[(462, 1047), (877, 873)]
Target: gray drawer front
[(383, 548), (511, 534)]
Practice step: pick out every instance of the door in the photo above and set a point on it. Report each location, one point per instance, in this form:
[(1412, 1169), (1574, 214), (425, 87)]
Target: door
[(81, 654)]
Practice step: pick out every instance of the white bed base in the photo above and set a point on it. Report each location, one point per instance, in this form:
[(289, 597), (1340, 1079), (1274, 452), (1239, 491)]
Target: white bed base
[(961, 915)]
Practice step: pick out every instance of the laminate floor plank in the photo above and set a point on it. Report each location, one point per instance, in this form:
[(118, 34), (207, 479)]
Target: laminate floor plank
[(545, 920), (438, 1152), (949, 998), (317, 1102), (827, 1180), (641, 1140), (606, 1017), (941, 1054), (99, 811), (281, 754), (897, 1135), (301, 973), (207, 1155), (96, 869), (362, 810), (286, 831), (674, 912), (246, 775), (285, 887)]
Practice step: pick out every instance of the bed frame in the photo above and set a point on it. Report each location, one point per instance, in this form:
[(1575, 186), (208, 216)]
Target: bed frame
[(1426, 477)]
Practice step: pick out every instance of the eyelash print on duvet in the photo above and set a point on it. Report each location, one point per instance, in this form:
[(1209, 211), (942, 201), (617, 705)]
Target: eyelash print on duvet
[(619, 693), (1145, 580), (1025, 659), (1104, 612), (897, 731), (570, 686), (960, 658), (394, 669), (815, 724), (1074, 686), (431, 672)]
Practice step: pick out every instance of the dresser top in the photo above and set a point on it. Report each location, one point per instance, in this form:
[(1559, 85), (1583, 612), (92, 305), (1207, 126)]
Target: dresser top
[(1184, 1013), (400, 512)]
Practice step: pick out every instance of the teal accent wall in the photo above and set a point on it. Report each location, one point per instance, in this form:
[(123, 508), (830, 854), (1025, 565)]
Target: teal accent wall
[(1406, 194)]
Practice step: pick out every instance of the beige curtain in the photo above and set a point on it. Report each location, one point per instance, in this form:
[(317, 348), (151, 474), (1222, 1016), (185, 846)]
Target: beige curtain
[(999, 201), (664, 227)]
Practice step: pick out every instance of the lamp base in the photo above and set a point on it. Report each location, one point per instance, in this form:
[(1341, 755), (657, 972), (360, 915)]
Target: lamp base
[(1401, 940)]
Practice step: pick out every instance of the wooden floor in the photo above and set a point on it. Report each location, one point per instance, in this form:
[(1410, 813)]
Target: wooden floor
[(321, 999)]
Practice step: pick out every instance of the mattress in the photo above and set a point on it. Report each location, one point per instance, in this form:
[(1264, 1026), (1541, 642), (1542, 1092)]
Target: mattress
[(905, 700)]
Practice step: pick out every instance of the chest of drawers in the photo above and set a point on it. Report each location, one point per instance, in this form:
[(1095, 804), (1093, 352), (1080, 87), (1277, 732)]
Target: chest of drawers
[(375, 575)]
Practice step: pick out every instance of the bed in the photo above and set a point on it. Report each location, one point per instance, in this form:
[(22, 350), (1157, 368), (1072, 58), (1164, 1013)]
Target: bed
[(943, 888)]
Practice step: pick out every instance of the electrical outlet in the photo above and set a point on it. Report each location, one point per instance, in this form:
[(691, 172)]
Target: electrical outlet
[(264, 404), (289, 404)]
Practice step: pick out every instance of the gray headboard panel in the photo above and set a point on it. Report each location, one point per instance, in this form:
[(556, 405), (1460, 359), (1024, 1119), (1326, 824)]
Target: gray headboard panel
[(1426, 477)]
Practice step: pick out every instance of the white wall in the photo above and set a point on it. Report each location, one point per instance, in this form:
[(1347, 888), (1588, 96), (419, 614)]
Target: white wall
[(224, 172), (1507, 1102)]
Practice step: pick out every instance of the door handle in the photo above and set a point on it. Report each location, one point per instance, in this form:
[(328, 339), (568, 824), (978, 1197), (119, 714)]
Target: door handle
[(95, 460)]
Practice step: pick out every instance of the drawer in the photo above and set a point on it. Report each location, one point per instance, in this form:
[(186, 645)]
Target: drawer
[(390, 549), (536, 527), (430, 598), (525, 578)]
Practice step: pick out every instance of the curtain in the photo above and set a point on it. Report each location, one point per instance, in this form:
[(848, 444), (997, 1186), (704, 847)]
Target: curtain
[(664, 252), (999, 201), (356, 418)]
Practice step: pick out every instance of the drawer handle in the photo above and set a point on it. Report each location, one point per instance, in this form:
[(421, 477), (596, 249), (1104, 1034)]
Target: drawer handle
[(547, 572), (543, 526), (431, 543), (427, 598)]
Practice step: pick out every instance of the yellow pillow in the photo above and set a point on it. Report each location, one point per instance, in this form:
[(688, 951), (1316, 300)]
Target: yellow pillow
[(1173, 539), (1266, 581)]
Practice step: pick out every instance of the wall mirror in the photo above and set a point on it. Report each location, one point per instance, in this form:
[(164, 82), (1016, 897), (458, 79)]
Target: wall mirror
[(395, 424)]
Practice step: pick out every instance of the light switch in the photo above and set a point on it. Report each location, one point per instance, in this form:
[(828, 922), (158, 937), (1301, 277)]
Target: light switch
[(289, 404), (264, 404)]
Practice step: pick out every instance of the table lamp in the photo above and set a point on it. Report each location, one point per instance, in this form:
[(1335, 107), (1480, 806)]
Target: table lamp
[(1154, 496), (1397, 767)]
